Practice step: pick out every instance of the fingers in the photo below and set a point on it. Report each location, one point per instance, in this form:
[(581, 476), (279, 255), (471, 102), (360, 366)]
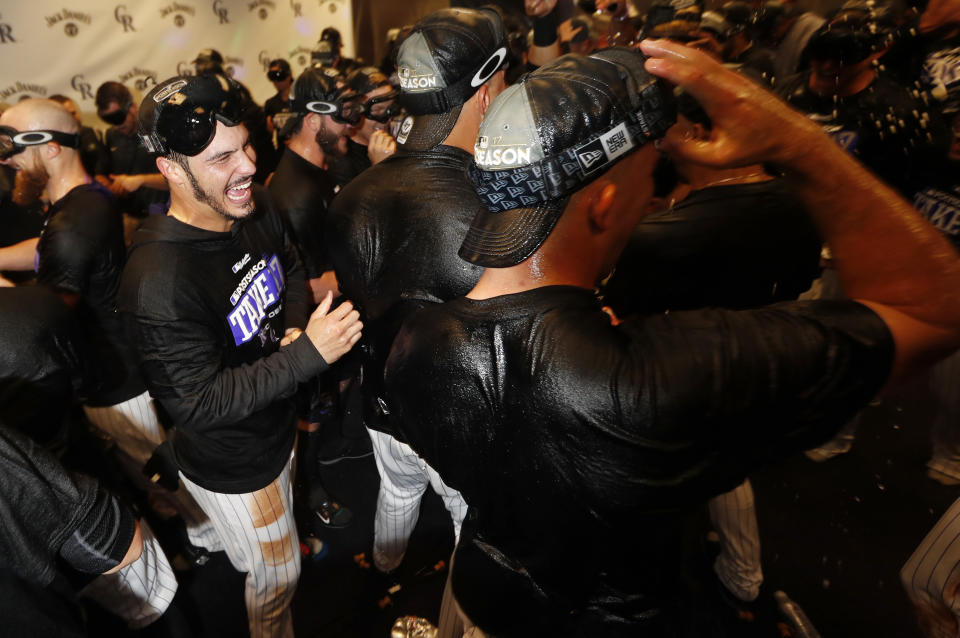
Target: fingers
[(324, 306)]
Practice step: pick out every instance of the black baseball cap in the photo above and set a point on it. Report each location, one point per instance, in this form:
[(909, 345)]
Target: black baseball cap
[(551, 134), (181, 114), (321, 90), (208, 61), (278, 70), (448, 55)]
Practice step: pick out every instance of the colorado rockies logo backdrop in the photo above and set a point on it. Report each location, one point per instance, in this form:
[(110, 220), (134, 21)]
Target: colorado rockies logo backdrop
[(52, 46)]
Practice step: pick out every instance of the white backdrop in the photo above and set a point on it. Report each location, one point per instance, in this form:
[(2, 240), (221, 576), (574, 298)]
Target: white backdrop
[(72, 46)]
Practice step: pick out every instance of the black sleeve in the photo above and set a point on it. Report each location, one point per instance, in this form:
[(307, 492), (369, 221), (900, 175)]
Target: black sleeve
[(181, 362), (66, 257), (744, 387)]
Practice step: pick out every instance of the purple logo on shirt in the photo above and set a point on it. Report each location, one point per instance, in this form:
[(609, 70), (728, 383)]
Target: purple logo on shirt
[(264, 291)]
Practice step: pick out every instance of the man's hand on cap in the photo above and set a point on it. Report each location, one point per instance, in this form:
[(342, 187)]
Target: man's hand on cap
[(334, 332), (381, 146), (538, 8), (749, 124)]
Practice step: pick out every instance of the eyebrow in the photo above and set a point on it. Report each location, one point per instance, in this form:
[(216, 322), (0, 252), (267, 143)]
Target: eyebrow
[(226, 153)]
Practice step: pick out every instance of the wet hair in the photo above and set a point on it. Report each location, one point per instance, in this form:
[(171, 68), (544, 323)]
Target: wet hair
[(112, 92)]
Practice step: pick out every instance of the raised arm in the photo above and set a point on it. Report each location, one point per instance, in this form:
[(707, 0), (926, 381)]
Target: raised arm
[(887, 256)]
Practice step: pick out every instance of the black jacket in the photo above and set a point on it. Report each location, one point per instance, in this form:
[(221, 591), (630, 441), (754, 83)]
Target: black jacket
[(207, 311)]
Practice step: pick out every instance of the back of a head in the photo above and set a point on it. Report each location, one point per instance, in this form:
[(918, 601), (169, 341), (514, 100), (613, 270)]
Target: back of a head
[(321, 90), (208, 61), (366, 79), (448, 55), (110, 92), (550, 135), (44, 114)]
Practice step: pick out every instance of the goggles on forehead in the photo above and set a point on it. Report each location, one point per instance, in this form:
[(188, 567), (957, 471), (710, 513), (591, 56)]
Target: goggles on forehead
[(346, 109), (13, 141), (277, 75), (184, 113), (382, 114)]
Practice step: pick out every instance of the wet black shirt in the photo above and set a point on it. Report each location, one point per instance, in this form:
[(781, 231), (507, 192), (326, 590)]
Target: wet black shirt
[(303, 193), (733, 246), (81, 251), (939, 202), (881, 126), (393, 235), (579, 446), (208, 310)]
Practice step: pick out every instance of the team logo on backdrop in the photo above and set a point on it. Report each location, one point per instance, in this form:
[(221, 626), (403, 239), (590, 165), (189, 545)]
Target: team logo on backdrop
[(221, 12), (332, 5), (6, 32), (141, 79), (125, 19), (19, 88), (81, 86), (300, 55), (264, 59), (297, 8), (178, 11), (184, 68), (69, 19), (262, 7)]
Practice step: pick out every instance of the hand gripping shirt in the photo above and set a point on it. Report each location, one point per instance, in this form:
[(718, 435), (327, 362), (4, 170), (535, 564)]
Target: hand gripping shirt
[(580, 447), (207, 311)]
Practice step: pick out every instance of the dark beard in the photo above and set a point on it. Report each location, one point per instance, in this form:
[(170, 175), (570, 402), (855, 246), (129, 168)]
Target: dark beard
[(29, 184), (329, 142), (205, 198)]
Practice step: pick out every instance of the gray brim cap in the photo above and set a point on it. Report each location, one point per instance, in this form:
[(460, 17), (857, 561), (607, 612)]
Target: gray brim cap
[(556, 131), (441, 64)]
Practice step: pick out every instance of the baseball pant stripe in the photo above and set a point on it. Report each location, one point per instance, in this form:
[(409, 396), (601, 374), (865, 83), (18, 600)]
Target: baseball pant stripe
[(140, 592), (739, 564), (404, 477), (931, 577), (945, 432), (136, 429), (258, 532)]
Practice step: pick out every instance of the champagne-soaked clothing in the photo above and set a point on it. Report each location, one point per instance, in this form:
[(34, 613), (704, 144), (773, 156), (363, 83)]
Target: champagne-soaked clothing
[(81, 251), (939, 201), (732, 246), (393, 234), (208, 310), (580, 446), (883, 126)]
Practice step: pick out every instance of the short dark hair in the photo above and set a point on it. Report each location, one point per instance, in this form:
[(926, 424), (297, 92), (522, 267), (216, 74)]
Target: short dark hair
[(112, 92), (59, 98)]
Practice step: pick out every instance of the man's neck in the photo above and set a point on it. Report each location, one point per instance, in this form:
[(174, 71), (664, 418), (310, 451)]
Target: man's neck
[(358, 137), (308, 150), (197, 215), (63, 181)]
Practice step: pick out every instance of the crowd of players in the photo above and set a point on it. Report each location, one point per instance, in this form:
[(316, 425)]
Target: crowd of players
[(474, 263)]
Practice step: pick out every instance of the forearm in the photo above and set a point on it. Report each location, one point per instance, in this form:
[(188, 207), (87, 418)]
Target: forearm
[(19, 256), (883, 250), (155, 181)]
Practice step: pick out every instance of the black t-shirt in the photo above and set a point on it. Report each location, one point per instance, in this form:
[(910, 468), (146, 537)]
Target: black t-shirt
[(303, 193), (580, 446), (733, 246), (81, 251), (345, 168), (41, 361), (882, 126), (392, 236), (129, 157), (207, 311)]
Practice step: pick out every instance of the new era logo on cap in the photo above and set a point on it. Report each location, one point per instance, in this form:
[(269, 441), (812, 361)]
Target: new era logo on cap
[(605, 149), (589, 158)]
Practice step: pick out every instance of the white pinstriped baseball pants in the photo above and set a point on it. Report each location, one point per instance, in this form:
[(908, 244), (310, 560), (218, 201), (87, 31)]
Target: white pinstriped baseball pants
[(140, 592), (134, 426), (931, 577), (404, 477), (735, 519), (260, 537)]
